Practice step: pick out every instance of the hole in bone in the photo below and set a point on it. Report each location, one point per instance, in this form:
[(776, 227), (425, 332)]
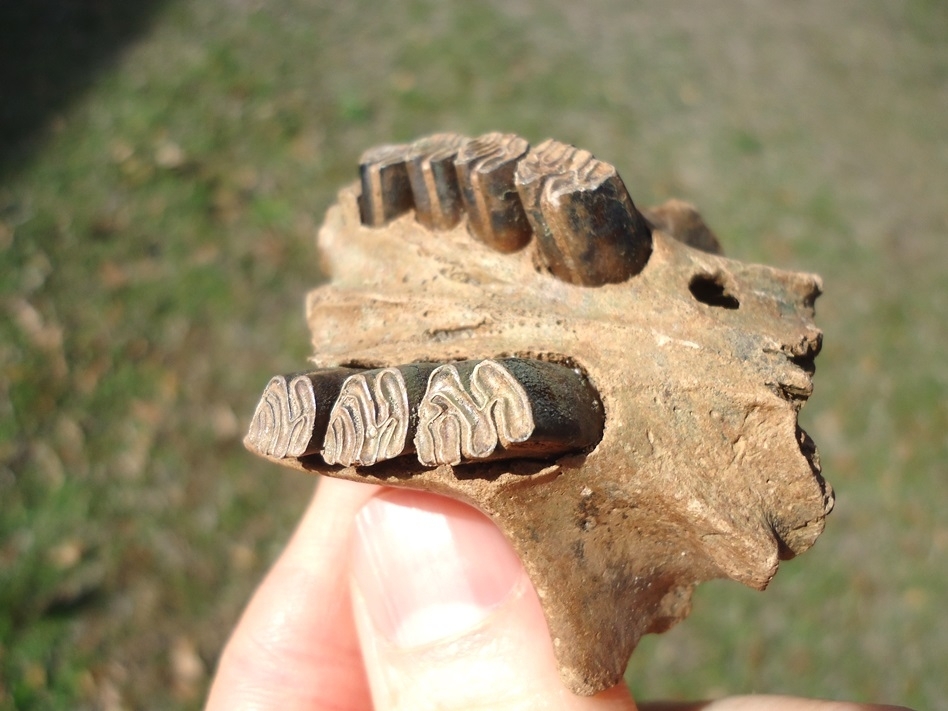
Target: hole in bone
[(804, 356), (710, 289), (807, 363)]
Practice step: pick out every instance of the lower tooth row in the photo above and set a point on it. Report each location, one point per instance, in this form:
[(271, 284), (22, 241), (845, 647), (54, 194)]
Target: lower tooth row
[(443, 413)]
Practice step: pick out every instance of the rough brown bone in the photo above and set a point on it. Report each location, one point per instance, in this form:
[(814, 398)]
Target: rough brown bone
[(701, 364), (683, 221)]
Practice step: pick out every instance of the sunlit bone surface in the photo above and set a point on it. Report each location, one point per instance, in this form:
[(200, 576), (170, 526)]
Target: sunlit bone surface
[(670, 452)]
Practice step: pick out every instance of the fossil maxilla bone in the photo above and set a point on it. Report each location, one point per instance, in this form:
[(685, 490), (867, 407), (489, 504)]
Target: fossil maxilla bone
[(484, 281)]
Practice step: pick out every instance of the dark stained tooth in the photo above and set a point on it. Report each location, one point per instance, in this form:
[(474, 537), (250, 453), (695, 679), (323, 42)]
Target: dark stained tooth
[(434, 180), (485, 170), (588, 230), (506, 408), (682, 221), (293, 413), (386, 190), (451, 413), (372, 419)]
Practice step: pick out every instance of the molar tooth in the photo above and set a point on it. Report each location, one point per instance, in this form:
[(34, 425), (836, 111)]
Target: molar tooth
[(434, 180), (448, 413), (373, 419), (588, 230), (511, 407), (485, 168), (293, 413), (386, 190)]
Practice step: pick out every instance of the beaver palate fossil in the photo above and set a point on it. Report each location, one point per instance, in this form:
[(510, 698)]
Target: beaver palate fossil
[(504, 327)]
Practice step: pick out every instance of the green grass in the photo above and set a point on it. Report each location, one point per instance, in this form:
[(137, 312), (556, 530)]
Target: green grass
[(156, 246)]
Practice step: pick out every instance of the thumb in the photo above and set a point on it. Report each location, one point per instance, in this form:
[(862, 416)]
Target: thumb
[(446, 615)]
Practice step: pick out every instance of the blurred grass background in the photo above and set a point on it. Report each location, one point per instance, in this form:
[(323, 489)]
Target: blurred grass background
[(164, 166)]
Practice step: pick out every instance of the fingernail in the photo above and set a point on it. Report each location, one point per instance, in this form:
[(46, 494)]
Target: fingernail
[(428, 568)]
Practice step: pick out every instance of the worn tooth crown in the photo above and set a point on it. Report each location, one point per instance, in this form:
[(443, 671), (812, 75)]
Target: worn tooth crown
[(485, 169), (369, 421), (386, 189), (588, 231), (291, 410), (448, 414), (434, 180), (282, 424), (458, 422)]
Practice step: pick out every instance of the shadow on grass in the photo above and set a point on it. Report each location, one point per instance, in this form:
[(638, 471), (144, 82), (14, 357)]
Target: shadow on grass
[(50, 52)]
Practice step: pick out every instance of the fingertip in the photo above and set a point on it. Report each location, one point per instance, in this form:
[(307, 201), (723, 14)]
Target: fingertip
[(428, 568), (295, 645), (765, 702), (446, 615)]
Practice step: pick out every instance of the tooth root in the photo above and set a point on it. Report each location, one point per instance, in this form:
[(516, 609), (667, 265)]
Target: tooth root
[(588, 231), (682, 221), (293, 413), (434, 180), (485, 169), (386, 189), (505, 408)]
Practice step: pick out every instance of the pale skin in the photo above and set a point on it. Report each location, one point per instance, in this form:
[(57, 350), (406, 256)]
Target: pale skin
[(393, 600)]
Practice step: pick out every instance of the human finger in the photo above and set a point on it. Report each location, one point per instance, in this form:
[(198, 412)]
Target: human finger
[(765, 702), (295, 646), (447, 617)]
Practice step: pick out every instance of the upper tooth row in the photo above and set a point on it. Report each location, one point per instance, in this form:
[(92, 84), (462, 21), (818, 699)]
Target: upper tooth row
[(588, 231)]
